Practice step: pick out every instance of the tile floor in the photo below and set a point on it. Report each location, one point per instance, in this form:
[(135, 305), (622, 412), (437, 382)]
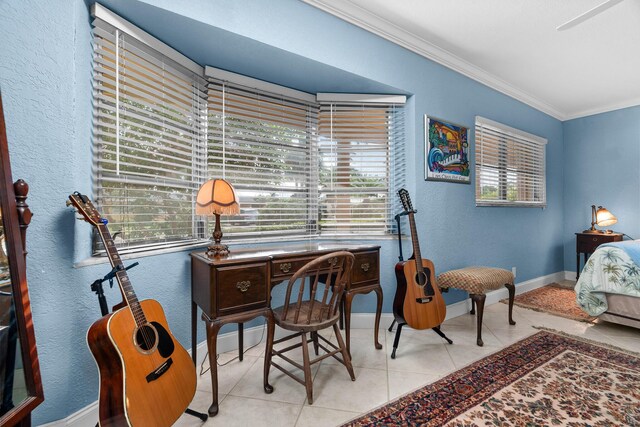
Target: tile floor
[(422, 358)]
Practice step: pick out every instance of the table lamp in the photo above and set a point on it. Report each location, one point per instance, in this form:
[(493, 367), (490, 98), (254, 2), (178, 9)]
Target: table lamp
[(601, 217), (217, 197)]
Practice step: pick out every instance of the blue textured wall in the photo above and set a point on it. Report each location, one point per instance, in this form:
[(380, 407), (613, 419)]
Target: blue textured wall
[(45, 66), (601, 158)]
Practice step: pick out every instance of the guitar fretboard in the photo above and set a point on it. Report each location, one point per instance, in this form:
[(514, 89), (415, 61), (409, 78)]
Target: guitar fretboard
[(416, 244), (121, 275)]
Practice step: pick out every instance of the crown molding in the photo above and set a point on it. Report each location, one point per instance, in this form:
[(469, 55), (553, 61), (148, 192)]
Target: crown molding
[(611, 107), (373, 23)]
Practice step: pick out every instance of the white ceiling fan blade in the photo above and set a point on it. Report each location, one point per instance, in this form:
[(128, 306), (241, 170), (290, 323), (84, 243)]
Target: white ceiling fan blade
[(588, 14)]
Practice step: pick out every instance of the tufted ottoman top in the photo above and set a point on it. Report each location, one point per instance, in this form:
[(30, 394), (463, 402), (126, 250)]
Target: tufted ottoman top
[(475, 280)]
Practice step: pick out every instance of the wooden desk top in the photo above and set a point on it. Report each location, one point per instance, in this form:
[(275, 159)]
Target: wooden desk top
[(275, 252)]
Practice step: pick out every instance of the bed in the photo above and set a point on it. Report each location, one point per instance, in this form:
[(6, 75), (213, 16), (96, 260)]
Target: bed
[(609, 284)]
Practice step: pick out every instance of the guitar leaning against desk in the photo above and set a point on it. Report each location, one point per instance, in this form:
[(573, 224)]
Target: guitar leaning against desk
[(146, 376)]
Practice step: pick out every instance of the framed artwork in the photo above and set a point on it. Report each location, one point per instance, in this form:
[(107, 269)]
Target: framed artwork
[(446, 151)]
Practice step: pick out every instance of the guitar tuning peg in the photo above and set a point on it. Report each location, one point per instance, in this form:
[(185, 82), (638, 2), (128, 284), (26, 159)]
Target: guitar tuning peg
[(68, 203), (81, 218)]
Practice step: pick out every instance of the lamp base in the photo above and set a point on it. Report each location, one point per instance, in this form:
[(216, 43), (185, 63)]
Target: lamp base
[(217, 251), (592, 231)]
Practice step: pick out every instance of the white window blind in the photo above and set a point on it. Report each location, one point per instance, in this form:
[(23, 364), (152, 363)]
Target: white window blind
[(265, 145), (161, 130), (149, 140), (510, 166), (361, 166)]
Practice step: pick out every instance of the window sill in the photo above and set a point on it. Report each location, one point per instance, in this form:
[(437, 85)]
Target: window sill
[(96, 260)]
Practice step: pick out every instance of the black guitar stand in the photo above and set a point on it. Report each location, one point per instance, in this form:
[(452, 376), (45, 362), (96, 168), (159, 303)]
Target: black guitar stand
[(97, 287), (397, 318)]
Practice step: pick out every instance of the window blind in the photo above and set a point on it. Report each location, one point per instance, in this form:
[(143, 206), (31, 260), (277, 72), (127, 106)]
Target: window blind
[(510, 166), (149, 140), (361, 166), (265, 145)]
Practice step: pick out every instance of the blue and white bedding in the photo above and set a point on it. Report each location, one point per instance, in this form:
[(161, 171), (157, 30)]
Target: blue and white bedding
[(614, 268)]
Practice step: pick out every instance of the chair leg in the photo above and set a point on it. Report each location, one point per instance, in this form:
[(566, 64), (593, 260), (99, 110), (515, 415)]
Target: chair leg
[(479, 300), (308, 381), (345, 353), (271, 328), (512, 293), (473, 306)]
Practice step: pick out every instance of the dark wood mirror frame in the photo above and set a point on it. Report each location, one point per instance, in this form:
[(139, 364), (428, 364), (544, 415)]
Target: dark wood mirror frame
[(16, 217)]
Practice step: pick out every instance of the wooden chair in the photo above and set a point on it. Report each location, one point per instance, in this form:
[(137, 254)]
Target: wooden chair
[(325, 278)]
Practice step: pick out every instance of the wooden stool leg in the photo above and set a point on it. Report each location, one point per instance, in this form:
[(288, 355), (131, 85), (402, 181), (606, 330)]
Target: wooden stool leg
[(512, 293), (473, 306), (308, 380), (271, 329), (479, 300)]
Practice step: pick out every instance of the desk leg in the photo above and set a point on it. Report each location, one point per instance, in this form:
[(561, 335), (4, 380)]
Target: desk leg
[(378, 292), (577, 265), (194, 331), (240, 341), (212, 340), (348, 298)]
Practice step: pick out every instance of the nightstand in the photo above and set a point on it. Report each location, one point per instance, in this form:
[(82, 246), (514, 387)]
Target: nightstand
[(586, 243)]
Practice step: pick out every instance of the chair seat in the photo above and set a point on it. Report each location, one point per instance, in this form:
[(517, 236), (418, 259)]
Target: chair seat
[(318, 311), (475, 280)]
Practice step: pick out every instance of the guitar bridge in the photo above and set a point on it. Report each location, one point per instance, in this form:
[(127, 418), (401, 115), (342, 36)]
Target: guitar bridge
[(160, 370), (424, 300)]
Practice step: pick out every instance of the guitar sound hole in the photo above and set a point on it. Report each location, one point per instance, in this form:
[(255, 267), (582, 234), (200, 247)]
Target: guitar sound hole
[(421, 278), (146, 337)]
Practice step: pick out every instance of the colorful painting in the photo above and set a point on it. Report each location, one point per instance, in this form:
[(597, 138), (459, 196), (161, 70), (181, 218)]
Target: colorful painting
[(446, 151)]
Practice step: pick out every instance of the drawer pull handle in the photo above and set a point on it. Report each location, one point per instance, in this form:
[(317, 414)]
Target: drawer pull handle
[(333, 261), (285, 267), (243, 286), (364, 266)]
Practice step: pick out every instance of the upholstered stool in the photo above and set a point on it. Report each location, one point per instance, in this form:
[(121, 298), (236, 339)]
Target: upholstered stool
[(477, 281)]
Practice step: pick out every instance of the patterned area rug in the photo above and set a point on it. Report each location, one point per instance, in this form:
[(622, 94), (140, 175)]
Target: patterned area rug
[(555, 299), (546, 379)]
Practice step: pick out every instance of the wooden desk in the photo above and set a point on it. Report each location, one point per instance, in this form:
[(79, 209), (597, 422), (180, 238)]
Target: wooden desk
[(237, 289), (586, 243)]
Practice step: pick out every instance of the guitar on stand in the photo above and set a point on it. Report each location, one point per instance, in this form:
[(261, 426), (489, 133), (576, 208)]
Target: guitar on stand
[(146, 376), (418, 301)]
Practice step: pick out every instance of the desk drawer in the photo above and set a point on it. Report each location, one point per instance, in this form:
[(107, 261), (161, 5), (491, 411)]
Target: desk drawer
[(365, 268), (286, 268), (243, 288)]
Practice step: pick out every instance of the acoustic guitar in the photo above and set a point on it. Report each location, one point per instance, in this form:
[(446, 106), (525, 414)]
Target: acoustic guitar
[(418, 301), (146, 377)]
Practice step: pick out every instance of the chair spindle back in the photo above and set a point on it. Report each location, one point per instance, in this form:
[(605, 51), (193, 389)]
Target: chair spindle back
[(330, 272)]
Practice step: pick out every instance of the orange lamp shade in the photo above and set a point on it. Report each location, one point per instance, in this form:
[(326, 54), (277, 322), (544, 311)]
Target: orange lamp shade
[(217, 196)]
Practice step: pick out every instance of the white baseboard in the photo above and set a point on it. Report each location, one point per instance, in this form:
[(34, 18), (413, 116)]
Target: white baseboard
[(87, 416), (570, 275)]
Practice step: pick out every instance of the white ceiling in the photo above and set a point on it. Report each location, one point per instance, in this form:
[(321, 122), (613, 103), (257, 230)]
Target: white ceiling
[(513, 46)]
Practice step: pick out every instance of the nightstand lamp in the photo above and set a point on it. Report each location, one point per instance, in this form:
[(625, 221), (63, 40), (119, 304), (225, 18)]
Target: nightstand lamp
[(217, 197), (601, 217)]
